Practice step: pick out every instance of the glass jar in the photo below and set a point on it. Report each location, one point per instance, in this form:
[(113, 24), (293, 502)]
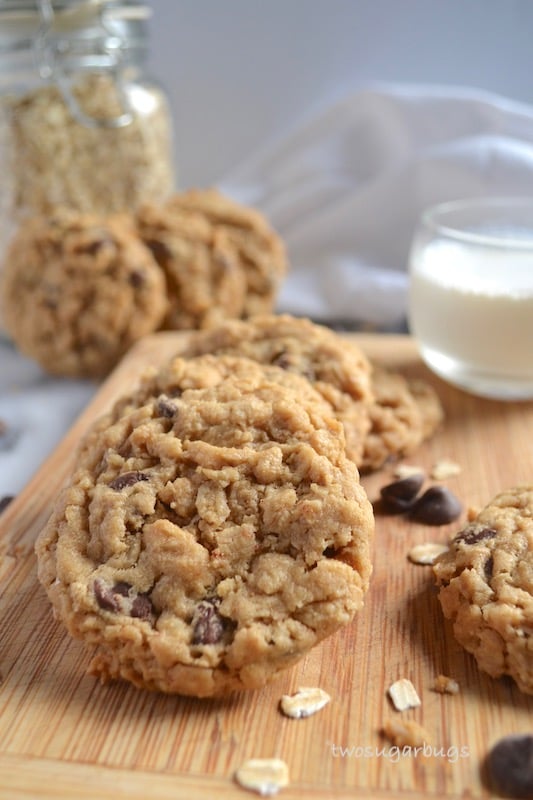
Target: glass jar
[(81, 124)]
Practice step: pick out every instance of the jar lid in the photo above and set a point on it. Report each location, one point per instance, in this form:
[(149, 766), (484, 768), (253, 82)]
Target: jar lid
[(66, 37), (22, 20)]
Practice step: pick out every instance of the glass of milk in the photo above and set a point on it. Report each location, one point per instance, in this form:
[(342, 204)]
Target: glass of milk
[(471, 294)]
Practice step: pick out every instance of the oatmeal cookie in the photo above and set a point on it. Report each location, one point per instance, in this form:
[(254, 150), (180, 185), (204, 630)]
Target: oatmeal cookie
[(198, 372), (210, 537), (260, 251), (403, 414), (205, 278), (77, 290), (336, 368), (486, 586)]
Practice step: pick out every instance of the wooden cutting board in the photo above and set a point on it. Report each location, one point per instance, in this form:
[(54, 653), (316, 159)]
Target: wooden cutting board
[(62, 734)]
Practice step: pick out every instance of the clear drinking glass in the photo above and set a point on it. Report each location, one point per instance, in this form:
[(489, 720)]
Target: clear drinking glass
[(471, 294)]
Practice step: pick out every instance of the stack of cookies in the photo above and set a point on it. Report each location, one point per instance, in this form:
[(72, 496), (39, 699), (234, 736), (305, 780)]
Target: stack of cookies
[(77, 290), (215, 528), (385, 415)]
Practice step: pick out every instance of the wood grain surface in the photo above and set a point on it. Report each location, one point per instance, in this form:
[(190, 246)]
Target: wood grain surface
[(63, 734)]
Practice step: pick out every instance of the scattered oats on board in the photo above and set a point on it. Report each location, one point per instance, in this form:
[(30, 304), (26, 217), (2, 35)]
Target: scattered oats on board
[(406, 733), (403, 695), (445, 685), (304, 702), (426, 553), (266, 776), (472, 512), (444, 468)]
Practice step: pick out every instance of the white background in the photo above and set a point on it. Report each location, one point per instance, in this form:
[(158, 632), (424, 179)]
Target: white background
[(240, 73)]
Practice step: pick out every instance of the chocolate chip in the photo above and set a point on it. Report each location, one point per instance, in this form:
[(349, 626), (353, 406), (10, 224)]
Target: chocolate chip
[(5, 501), (51, 303), (281, 360), (159, 250), (400, 495), (127, 479), (93, 247), (510, 766), (122, 588), (437, 506), (142, 607), (488, 568), (208, 625), (136, 279), (122, 597), (470, 536), (105, 597), (165, 407)]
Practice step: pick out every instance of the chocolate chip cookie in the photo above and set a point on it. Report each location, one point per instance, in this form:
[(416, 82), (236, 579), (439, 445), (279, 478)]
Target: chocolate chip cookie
[(205, 279), (77, 290), (211, 535), (385, 415), (336, 368), (486, 586), (404, 413), (260, 249)]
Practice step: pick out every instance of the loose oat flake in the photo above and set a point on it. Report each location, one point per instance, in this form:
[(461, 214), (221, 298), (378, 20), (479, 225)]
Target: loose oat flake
[(403, 695), (266, 776), (445, 468), (304, 702), (426, 553), (407, 470)]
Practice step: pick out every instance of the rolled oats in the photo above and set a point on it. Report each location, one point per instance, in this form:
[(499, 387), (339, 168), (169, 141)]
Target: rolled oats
[(304, 702), (50, 159), (426, 553), (445, 468), (403, 695), (407, 470), (266, 776)]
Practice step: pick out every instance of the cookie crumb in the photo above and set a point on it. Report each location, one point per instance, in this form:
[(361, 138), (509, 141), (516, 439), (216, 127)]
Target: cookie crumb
[(304, 702), (445, 685), (406, 733), (266, 776), (426, 553), (445, 468), (403, 695), (472, 513)]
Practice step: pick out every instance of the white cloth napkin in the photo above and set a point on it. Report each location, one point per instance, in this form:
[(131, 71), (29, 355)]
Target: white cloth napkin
[(346, 187)]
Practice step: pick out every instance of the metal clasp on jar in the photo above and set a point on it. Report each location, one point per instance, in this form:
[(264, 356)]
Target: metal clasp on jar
[(61, 41)]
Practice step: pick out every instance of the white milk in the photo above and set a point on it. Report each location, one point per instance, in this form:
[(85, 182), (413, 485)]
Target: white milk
[(471, 310)]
